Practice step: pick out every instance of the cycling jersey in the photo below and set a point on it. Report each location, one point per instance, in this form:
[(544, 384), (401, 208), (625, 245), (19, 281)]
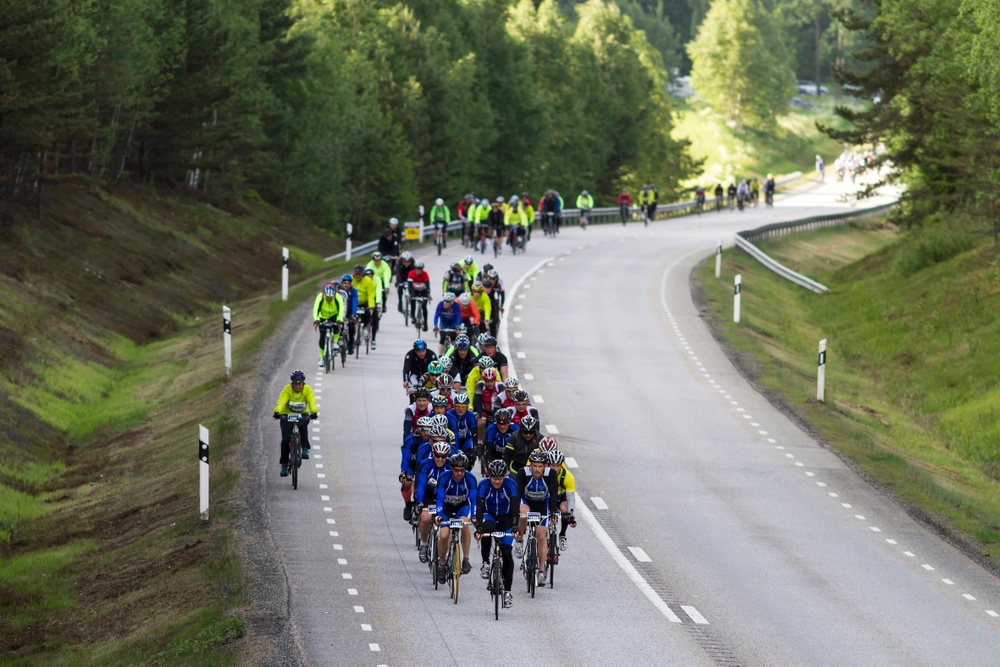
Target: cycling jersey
[(540, 495), (485, 306), (471, 270), (414, 367), (518, 448), (567, 487), (403, 269), (350, 302), (447, 318), (328, 310), (496, 440), (516, 417), (291, 401), (462, 366), (382, 271), (484, 400), (427, 480), (497, 503), (456, 283), (409, 463), (470, 312), (440, 214), (464, 428), (624, 199), (514, 216), (369, 293), (585, 202), (410, 417), (454, 494)]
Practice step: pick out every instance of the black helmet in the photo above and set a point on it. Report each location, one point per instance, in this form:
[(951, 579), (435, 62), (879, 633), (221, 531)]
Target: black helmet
[(496, 468), (459, 460), (421, 392), (502, 416), (538, 456), (519, 395)]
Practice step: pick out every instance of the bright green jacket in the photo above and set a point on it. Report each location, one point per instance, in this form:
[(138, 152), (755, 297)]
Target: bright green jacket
[(585, 202), (443, 211), (328, 310), (515, 216), (382, 272), (289, 398)]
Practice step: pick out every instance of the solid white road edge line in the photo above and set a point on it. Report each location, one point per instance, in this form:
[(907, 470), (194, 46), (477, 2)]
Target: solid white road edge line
[(625, 565)]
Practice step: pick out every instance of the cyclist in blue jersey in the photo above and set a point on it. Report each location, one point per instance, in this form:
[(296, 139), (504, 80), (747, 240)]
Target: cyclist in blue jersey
[(498, 434), (456, 498), (410, 462), (447, 315), (463, 424), (538, 489), (430, 472), (496, 508), (350, 295)]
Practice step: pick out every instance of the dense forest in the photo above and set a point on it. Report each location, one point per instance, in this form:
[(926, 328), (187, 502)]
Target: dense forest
[(357, 110)]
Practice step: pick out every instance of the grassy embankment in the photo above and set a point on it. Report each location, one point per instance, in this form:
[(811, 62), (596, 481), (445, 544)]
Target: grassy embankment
[(911, 391), (731, 154), (112, 355)]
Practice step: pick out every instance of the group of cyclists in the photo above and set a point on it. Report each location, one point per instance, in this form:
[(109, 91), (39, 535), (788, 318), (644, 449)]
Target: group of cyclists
[(741, 195), (465, 408)]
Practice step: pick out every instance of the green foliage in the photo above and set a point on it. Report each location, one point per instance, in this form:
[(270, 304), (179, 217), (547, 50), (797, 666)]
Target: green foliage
[(741, 65), (931, 244)]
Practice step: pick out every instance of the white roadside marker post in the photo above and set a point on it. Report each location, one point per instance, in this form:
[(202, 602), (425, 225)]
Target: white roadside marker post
[(420, 209), (227, 339), (284, 274), (821, 373), (203, 469), (350, 228), (736, 298), (718, 259)]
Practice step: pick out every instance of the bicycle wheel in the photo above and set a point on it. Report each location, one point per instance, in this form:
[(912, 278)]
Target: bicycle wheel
[(294, 457), (553, 557), (406, 312), (435, 561), (368, 337), (456, 568), (439, 242), (531, 560), (343, 353), (327, 357)]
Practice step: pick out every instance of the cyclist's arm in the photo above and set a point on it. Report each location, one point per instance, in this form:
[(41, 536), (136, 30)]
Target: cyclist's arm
[(473, 492), (407, 422), (569, 488), (443, 482), (421, 482), (283, 398), (472, 382), (310, 397), (405, 462), (317, 306), (341, 307), (552, 481)]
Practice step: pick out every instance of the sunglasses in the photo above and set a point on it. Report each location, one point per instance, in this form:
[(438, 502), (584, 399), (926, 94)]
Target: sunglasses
[(440, 456)]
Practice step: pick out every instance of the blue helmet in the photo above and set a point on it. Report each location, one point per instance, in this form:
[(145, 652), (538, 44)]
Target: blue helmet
[(297, 376), (419, 344), (347, 278)]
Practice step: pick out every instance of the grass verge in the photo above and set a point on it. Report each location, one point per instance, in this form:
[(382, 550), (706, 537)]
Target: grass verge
[(911, 395)]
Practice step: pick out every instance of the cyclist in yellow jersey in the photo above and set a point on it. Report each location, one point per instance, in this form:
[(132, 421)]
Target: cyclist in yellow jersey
[(296, 397), (369, 296), (515, 221), (329, 305), (483, 302), (470, 267), (567, 493)]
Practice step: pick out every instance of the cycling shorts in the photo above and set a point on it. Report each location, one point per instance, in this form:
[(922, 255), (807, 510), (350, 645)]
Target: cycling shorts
[(457, 511), (504, 523), (541, 508)]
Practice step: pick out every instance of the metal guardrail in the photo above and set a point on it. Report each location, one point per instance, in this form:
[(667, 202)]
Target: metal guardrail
[(745, 240), (598, 216)]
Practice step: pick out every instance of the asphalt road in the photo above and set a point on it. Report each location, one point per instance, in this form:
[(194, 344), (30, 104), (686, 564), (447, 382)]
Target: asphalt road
[(712, 530)]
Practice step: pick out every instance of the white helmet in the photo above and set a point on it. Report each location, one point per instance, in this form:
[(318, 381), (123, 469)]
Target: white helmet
[(500, 199), (393, 221), (439, 202), (464, 299)]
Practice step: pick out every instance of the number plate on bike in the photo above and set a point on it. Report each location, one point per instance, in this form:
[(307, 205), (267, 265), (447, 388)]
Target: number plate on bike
[(291, 419), (456, 524), (534, 517)]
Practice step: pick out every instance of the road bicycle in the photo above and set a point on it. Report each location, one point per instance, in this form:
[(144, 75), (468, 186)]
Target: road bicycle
[(497, 243), (529, 563), (549, 223), (449, 336), (453, 559), (584, 217), (434, 557), (439, 232), (330, 348), (420, 314), (494, 582), (405, 301), (769, 198), (365, 334), (295, 445)]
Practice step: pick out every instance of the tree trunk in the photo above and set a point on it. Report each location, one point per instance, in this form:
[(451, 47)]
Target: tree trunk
[(817, 15)]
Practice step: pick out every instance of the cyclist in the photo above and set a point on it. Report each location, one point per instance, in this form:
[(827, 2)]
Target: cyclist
[(463, 210), (652, 200), (742, 194), (448, 315), (463, 359), (413, 453), (567, 491), (420, 407), (475, 375), (440, 217), (820, 168), (369, 296), (718, 197), (383, 272), (496, 223), (731, 194), (483, 303), (470, 313), (455, 280), (498, 434), (488, 347), (328, 307), (388, 245), (549, 209), (699, 199), (350, 296), (522, 408), (584, 202), (470, 267), (419, 284), (373, 314), (401, 273), (415, 363), (538, 489), (529, 214), (624, 202), (486, 399), (444, 387), (495, 512), (494, 299), (296, 397), (518, 448), (430, 471), (769, 190), (477, 221), (462, 423), (397, 233), (754, 191), (510, 385), (515, 221), (456, 498)]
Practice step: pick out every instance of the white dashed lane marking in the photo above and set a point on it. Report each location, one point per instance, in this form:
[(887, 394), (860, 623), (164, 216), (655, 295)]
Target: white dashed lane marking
[(599, 503), (694, 614), (640, 555), (571, 462), (552, 429)]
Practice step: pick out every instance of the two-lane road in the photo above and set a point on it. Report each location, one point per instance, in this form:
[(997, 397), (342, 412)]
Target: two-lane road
[(711, 529)]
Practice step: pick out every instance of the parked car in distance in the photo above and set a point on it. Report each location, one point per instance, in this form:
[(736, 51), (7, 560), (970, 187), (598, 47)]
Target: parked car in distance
[(809, 87)]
